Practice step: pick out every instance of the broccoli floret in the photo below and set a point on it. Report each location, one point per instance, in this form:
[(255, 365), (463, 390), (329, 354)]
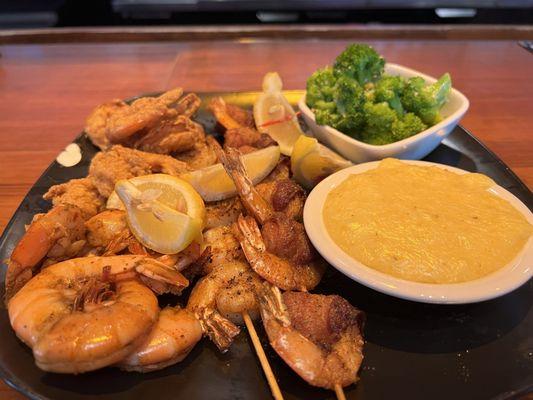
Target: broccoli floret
[(379, 119), (360, 62), (389, 89), (320, 88), (426, 100), (407, 126)]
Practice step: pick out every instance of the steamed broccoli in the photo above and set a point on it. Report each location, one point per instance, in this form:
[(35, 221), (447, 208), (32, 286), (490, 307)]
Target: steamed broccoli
[(379, 118), (389, 89), (360, 62), (320, 89), (355, 98), (348, 96), (426, 100), (407, 126)]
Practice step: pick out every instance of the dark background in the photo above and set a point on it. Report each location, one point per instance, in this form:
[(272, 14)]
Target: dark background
[(68, 13)]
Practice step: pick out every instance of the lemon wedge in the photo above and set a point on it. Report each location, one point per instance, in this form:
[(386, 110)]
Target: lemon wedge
[(213, 183), (311, 161), (275, 116), (164, 213)]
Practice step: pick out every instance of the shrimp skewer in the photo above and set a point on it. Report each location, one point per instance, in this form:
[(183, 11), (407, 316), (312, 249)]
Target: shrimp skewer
[(220, 298), (86, 313), (318, 336), (280, 252)]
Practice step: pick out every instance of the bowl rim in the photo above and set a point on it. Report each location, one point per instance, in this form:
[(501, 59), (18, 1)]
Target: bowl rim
[(457, 114), (496, 284)]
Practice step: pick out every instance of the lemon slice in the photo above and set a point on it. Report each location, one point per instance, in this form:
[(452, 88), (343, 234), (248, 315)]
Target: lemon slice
[(163, 212), (213, 183), (311, 161), (274, 115)]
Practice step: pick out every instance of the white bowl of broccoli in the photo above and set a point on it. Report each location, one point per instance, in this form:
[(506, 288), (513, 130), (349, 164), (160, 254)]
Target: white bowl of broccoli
[(367, 110)]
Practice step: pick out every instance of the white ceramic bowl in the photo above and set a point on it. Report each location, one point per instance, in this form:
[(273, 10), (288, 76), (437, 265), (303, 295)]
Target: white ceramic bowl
[(412, 148), (500, 282)]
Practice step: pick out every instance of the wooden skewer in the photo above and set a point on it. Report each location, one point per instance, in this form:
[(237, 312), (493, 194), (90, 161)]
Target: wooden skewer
[(276, 393), (339, 392)]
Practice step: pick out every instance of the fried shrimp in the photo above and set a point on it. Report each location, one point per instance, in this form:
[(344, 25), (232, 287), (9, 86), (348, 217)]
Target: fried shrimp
[(78, 192), (143, 113), (86, 313), (58, 234), (319, 337), (171, 339), (108, 167), (219, 299), (97, 122), (280, 252)]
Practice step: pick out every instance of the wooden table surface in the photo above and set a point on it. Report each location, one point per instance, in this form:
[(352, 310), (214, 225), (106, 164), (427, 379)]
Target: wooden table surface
[(46, 91)]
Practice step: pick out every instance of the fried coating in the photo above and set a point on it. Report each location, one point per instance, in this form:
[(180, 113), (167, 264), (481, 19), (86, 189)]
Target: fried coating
[(79, 192), (119, 162)]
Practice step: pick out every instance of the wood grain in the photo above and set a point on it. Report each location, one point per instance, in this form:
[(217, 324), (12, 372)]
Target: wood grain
[(47, 90)]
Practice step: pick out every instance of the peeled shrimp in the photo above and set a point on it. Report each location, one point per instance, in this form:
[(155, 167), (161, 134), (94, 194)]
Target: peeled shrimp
[(281, 252), (222, 248), (171, 339), (223, 212), (86, 313), (288, 274), (318, 336), (58, 234), (220, 298)]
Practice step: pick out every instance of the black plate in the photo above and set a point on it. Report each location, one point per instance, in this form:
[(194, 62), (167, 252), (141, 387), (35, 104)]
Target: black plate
[(413, 350)]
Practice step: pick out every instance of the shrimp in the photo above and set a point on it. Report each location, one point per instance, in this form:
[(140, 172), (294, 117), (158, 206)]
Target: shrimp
[(172, 338), (223, 247), (58, 234), (281, 252), (318, 336), (108, 234), (201, 155), (108, 167), (97, 121), (79, 192), (143, 113), (294, 268), (220, 298), (223, 212), (86, 313), (240, 130)]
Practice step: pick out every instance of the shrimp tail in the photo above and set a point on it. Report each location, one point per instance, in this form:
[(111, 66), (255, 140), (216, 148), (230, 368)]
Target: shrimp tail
[(161, 278), (219, 329), (251, 234), (271, 304), (254, 203)]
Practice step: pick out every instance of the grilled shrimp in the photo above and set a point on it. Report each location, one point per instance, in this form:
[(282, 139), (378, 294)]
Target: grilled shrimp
[(295, 266), (58, 234), (223, 212), (240, 129), (86, 313), (171, 339), (219, 299), (281, 252), (318, 336), (222, 247)]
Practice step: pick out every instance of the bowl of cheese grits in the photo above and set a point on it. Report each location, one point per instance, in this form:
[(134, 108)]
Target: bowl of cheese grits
[(422, 231)]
